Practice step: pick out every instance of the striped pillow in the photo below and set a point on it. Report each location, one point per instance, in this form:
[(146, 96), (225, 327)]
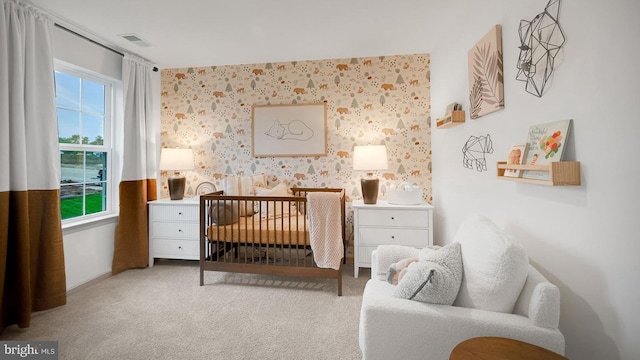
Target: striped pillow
[(243, 186)]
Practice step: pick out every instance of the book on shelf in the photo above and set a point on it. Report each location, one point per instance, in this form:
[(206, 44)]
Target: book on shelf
[(516, 154), (449, 117), (451, 108), (547, 143)]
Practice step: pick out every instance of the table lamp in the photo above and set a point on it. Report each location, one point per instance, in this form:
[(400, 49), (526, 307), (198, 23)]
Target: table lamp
[(369, 158), (176, 160)]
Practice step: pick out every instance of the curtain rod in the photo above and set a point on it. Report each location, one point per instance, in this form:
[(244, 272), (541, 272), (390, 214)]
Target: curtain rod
[(93, 41)]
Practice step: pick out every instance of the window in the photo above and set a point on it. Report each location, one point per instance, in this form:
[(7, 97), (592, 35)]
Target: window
[(83, 104)]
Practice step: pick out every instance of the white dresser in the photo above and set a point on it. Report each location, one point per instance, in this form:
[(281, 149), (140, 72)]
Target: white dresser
[(173, 229), (387, 224)]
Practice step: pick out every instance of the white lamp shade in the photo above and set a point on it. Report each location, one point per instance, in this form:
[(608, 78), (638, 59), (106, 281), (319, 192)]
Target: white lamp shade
[(370, 157), (176, 159)]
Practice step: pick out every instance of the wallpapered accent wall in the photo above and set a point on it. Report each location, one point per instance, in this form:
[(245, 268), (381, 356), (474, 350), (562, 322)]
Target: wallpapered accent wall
[(376, 100)]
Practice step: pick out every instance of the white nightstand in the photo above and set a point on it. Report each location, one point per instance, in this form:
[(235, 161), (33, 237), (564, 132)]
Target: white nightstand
[(173, 229), (387, 224)]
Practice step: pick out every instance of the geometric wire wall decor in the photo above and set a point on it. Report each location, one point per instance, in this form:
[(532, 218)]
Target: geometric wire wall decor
[(541, 41), (475, 150)]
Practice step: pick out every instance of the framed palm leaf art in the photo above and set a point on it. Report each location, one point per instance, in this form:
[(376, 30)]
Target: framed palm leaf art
[(486, 74)]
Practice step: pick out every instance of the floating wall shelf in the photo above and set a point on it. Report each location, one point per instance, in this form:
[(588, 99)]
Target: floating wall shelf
[(560, 173), (456, 118)]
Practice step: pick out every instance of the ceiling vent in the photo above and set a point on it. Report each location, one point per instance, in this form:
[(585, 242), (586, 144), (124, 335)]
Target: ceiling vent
[(135, 39)]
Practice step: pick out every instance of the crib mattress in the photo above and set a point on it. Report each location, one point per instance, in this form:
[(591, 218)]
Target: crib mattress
[(286, 230)]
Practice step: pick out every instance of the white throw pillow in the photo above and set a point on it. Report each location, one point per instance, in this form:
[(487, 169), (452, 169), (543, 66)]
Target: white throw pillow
[(434, 279), (494, 267), (243, 186), (273, 209)]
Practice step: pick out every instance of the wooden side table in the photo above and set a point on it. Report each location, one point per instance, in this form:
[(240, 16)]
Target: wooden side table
[(496, 348)]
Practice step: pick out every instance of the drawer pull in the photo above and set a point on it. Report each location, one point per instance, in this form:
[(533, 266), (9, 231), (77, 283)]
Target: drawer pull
[(179, 230), (180, 247), (393, 237), (180, 213), (392, 218)]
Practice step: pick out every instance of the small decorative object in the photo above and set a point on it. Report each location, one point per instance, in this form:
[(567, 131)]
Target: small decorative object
[(541, 40), (474, 151), (176, 160), (486, 77), (453, 116), (369, 158), (405, 194), (516, 155), (546, 144), (205, 187), (451, 107), (289, 130)]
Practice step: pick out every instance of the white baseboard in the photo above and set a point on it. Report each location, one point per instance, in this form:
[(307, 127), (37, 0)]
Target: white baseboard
[(89, 283)]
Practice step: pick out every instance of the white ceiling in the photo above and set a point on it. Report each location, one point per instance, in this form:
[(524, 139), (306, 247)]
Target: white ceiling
[(225, 32)]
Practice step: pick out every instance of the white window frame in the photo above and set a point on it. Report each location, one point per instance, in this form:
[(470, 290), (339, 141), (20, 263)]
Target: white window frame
[(107, 146)]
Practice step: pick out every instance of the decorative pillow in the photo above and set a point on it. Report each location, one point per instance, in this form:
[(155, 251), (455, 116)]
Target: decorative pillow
[(398, 270), (387, 255), (243, 186), (273, 209), (495, 268), (223, 213), (424, 252), (436, 279)]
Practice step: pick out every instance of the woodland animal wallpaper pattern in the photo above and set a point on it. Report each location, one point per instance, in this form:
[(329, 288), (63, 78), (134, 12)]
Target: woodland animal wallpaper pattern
[(374, 100)]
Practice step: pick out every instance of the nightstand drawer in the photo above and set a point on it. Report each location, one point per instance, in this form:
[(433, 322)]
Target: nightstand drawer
[(175, 213), (175, 230), (178, 249), (417, 238), (398, 218)]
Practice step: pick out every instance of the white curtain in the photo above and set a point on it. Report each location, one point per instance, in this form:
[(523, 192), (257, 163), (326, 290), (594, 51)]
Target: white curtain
[(139, 171), (32, 275), (139, 125)]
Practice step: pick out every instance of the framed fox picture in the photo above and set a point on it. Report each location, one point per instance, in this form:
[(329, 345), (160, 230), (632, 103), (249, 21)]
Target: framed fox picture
[(289, 130)]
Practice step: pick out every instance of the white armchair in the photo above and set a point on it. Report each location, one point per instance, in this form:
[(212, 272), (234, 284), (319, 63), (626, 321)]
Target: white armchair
[(395, 328)]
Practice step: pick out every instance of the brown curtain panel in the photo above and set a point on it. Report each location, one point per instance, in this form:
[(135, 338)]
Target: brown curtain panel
[(32, 274), (138, 185), (132, 245)]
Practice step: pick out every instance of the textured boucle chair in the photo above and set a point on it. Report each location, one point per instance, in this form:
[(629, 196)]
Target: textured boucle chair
[(501, 295)]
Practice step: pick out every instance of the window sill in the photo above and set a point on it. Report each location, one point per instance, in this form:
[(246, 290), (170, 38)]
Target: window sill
[(85, 224)]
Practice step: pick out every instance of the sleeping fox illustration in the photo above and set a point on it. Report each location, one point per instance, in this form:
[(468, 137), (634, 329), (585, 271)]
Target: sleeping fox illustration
[(294, 130)]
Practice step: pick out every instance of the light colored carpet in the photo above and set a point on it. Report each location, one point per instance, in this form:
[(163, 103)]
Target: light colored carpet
[(163, 313)]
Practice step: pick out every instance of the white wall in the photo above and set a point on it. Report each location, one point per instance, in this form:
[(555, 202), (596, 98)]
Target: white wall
[(581, 238), (75, 50), (88, 251)]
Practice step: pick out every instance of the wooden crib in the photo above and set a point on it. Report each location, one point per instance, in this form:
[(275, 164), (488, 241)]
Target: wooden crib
[(272, 238)]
